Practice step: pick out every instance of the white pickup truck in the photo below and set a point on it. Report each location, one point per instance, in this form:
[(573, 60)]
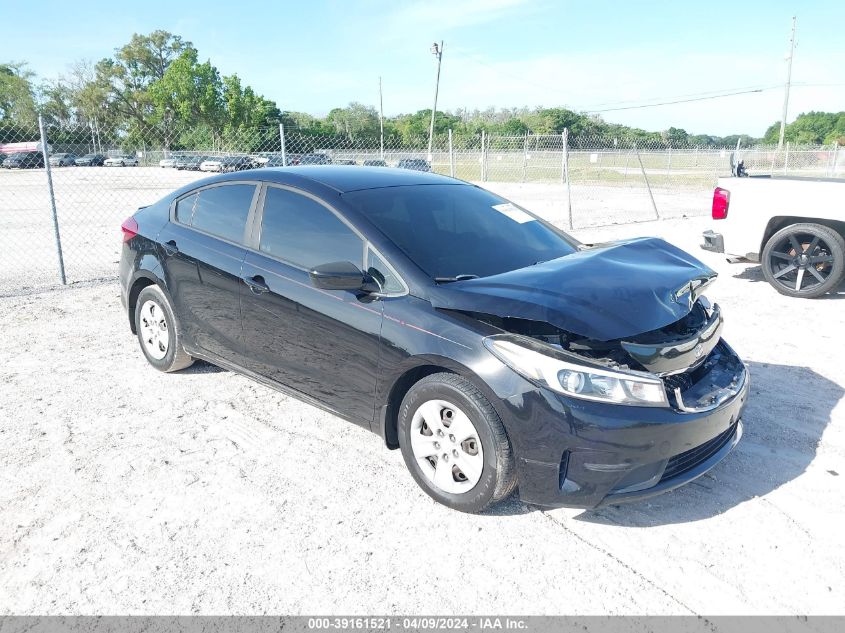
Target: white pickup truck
[(793, 226)]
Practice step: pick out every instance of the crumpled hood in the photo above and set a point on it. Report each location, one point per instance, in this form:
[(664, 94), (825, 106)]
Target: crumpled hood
[(608, 292)]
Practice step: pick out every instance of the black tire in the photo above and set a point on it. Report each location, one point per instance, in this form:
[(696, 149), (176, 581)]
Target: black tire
[(175, 357), (804, 260), (497, 480)]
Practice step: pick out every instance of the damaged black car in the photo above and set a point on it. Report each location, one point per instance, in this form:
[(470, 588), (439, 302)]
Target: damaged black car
[(497, 352)]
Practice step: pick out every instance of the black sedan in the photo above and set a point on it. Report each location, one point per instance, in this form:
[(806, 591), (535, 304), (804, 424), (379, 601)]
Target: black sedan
[(90, 160), (493, 349), (24, 160)]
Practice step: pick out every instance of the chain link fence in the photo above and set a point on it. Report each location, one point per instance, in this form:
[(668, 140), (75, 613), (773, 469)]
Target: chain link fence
[(60, 219)]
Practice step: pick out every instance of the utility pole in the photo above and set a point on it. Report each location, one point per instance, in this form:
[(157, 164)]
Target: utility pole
[(788, 82), (381, 117), (437, 52)]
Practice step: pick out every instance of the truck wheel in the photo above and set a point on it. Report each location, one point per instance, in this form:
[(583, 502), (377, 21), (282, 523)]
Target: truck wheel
[(804, 260)]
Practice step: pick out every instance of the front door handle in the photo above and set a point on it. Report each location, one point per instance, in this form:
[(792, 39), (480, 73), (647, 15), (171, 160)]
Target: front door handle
[(257, 284), (170, 247)]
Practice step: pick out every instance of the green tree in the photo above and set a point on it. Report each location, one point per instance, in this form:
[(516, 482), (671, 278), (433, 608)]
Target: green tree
[(188, 94), (127, 78), (17, 95), (810, 128), (355, 120)]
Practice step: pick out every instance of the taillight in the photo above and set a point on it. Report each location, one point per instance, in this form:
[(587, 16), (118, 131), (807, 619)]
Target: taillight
[(129, 228), (721, 202)]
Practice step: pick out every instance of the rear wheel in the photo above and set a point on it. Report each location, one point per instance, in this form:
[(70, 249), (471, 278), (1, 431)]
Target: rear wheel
[(158, 331), (454, 444), (804, 260)]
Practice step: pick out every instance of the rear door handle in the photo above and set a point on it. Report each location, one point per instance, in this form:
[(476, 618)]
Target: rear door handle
[(257, 284), (170, 247)]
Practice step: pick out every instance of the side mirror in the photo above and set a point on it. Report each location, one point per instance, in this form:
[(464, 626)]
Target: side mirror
[(338, 276)]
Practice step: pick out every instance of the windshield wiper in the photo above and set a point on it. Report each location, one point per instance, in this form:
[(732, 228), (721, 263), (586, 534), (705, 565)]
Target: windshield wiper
[(446, 280)]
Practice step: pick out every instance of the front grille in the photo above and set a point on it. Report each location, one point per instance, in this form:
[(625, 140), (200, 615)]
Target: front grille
[(688, 460)]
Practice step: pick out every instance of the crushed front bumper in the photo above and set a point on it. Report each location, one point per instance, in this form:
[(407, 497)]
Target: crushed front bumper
[(584, 454)]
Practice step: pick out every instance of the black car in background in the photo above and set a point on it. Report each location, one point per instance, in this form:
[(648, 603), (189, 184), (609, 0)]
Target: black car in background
[(191, 163), (493, 349), (417, 164), (374, 163), (24, 160), (237, 163), (90, 160)]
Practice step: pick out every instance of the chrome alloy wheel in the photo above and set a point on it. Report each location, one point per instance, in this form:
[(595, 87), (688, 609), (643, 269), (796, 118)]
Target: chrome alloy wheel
[(446, 446), (154, 330)]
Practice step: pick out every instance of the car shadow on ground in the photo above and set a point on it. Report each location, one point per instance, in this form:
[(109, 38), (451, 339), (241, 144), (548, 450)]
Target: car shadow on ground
[(755, 273), (787, 412), (202, 367)]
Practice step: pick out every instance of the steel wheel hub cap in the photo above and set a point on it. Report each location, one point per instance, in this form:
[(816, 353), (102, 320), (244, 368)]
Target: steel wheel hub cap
[(154, 331), (446, 445)]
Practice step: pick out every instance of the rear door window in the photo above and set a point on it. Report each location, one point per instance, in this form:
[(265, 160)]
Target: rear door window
[(220, 211)]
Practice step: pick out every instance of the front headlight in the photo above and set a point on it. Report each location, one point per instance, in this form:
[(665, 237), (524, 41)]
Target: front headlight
[(560, 372)]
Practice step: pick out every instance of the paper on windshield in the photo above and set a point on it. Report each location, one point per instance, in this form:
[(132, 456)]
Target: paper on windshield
[(514, 213)]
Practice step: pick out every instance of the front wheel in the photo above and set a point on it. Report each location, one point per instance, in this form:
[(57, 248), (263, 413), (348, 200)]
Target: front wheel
[(804, 260), (454, 443), (158, 331)]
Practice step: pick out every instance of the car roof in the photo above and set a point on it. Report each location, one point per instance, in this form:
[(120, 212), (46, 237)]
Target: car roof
[(345, 178)]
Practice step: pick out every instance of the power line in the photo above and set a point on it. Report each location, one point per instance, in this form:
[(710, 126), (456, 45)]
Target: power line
[(663, 103), (683, 96), (651, 102)]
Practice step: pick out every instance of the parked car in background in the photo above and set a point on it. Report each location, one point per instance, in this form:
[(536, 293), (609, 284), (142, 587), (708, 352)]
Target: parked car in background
[(191, 163), (24, 160), (313, 159), (238, 163), (343, 161), (276, 161), (212, 164), (375, 163), (91, 160), (794, 226), (121, 160), (167, 163), (494, 350), (227, 164), (2, 158), (417, 164), (62, 160), (260, 159)]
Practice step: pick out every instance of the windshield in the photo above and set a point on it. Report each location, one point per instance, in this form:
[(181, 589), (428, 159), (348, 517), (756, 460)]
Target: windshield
[(454, 230)]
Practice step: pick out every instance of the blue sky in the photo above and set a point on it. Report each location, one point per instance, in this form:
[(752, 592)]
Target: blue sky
[(314, 55)]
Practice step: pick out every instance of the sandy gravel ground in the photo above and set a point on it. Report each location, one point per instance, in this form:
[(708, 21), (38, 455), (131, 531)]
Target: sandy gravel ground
[(123, 490)]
